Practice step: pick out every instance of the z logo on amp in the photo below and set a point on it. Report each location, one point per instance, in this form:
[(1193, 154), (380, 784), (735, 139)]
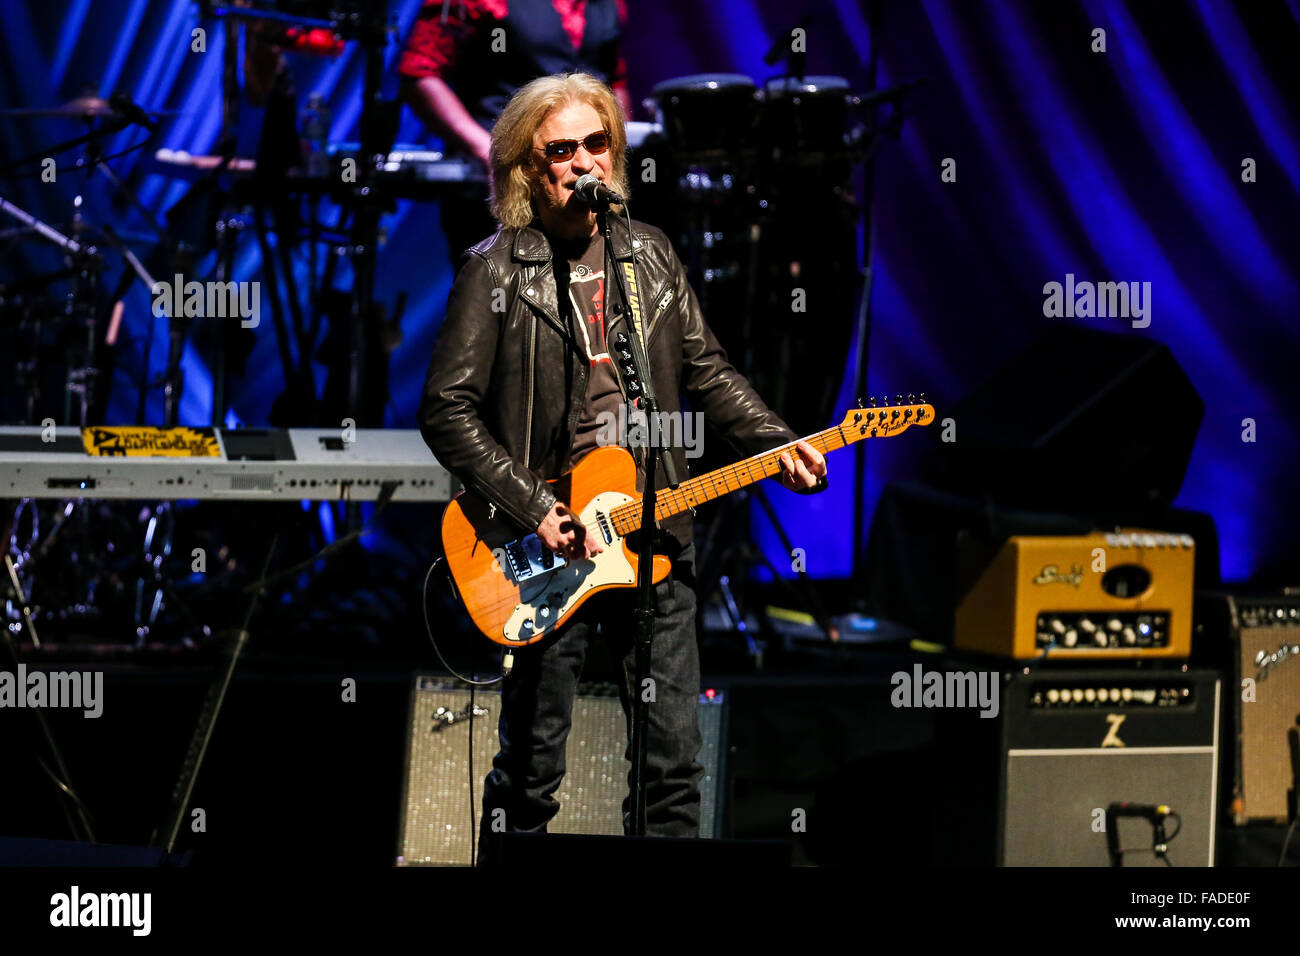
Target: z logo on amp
[(1112, 736)]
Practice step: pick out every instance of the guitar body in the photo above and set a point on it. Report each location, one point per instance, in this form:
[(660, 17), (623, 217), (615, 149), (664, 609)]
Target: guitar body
[(518, 592)]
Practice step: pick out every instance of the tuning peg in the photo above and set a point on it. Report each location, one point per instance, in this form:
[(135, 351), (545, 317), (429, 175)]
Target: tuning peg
[(860, 403), (872, 401), (921, 397), (898, 399)]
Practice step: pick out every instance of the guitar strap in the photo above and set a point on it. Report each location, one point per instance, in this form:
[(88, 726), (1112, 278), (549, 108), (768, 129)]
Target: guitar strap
[(634, 303), (634, 300)]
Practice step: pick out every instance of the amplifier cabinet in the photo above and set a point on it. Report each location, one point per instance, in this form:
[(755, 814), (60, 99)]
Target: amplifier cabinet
[(436, 808), (1070, 743), (1260, 637)]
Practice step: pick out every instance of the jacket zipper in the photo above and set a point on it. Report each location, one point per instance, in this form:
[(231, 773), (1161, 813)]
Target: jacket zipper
[(652, 326), (528, 414)]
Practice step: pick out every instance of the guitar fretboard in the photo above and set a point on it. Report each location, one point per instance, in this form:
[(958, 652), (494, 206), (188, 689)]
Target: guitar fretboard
[(722, 481), (857, 424)]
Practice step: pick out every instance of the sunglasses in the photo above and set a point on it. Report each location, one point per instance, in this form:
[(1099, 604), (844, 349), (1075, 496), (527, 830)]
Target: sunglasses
[(563, 150)]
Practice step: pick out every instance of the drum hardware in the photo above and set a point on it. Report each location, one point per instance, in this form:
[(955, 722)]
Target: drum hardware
[(748, 165), (65, 322), (74, 810), (157, 546), (275, 176), (118, 113), (75, 323), (85, 107)]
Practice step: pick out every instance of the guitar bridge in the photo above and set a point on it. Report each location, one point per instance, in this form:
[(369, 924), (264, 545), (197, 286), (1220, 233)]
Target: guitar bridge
[(528, 558)]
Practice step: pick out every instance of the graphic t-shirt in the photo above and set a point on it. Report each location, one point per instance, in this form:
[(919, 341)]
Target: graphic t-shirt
[(586, 301)]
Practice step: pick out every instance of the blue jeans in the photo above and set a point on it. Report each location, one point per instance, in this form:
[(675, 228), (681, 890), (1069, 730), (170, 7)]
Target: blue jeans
[(537, 707)]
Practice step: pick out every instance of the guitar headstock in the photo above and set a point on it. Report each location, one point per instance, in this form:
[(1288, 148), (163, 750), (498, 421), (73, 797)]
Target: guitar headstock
[(881, 418)]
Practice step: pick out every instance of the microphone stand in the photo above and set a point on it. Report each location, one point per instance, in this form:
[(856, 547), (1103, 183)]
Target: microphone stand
[(637, 362)]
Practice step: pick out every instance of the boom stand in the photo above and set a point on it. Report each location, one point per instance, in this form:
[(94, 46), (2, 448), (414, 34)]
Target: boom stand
[(635, 360)]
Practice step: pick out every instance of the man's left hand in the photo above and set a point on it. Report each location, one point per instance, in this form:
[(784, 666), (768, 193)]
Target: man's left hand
[(806, 474)]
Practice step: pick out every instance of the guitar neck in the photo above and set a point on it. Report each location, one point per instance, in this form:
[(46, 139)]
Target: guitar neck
[(857, 424), (721, 481)]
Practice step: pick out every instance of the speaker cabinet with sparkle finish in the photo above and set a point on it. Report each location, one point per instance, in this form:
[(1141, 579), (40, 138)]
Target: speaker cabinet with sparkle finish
[(436, 806), (1067, 745)]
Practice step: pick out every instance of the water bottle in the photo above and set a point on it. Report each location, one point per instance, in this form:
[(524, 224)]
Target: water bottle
[(315, 127)]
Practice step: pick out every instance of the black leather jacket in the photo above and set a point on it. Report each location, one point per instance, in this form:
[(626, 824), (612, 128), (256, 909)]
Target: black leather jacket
[(505, 388)]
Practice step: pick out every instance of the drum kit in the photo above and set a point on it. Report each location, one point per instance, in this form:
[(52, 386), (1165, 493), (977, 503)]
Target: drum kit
[(76, 565), (78, 561), (754, 183)]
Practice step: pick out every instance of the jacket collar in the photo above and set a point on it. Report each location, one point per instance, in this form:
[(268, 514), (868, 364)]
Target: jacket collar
[(532, 245)]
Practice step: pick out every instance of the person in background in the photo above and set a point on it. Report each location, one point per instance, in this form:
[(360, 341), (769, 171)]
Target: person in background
[(464, 59)]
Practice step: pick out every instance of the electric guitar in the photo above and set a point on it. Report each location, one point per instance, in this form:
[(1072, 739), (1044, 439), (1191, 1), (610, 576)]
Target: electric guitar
[(517, 591)]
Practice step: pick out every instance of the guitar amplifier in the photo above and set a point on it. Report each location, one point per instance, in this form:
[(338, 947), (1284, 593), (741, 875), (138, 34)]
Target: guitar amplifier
[(1069, 743), (1260, 637), (1096, 596), (436, 807)]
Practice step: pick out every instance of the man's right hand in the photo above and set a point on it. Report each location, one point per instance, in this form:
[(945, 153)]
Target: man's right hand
[(563, 533)]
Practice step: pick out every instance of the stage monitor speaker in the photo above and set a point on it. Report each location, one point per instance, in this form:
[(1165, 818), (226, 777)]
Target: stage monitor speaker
[(1080, 421), (1260, 637), (436, 808), (1069, 744)]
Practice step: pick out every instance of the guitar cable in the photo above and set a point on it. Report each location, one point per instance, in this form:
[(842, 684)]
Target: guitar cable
[(507, 663)]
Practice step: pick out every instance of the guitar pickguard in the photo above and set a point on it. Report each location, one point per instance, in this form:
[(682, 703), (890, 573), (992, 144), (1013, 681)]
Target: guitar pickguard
[(547, 599)]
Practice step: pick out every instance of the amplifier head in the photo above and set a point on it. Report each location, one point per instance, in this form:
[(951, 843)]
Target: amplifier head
[(1099, 596)]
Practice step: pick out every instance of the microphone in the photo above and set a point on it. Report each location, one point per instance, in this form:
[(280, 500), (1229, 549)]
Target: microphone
[(1156, 814), (128, 108), (592, 192)]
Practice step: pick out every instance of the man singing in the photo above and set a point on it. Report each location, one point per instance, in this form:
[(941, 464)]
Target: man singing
[(516, 397)]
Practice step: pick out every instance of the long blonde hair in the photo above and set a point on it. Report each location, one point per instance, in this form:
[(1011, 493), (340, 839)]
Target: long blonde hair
[(512, 139)]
